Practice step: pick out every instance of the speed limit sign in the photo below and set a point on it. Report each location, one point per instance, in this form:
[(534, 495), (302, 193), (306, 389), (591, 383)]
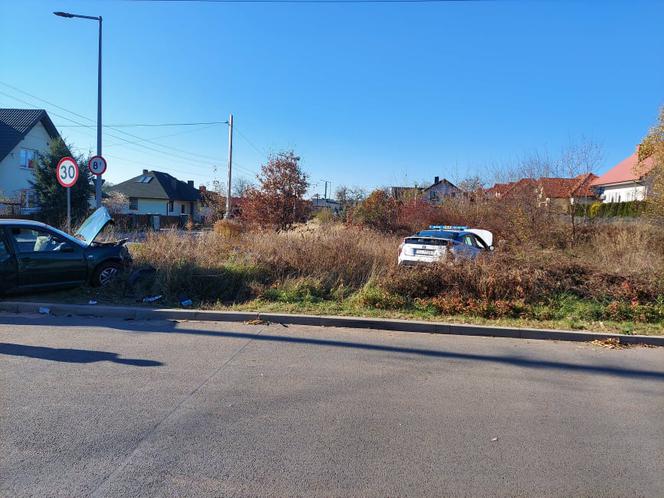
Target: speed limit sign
[(67, 172), (97, 165)]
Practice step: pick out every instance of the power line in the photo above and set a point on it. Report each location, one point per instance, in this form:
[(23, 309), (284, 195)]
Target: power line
[(311, 1), (169, 135), (138, 125), (255, 147), (169, 154), (92, 120)]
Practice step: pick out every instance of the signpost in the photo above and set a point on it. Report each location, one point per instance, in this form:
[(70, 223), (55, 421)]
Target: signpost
[(97, 165), (67, 174)]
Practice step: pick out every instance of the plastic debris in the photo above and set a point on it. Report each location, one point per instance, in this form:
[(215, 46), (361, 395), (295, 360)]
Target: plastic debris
[(186, 302), (92, 301), (152, 299), (494, 439), (44, 310)]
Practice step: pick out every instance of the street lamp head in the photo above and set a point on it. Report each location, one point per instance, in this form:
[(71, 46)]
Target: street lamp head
[(63, 14)]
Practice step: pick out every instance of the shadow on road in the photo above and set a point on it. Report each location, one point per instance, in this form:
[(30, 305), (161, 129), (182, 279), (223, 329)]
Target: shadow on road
[(169, 327), (71, 355)]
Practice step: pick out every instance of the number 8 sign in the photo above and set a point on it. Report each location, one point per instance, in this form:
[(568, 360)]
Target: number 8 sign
[(67, 172)]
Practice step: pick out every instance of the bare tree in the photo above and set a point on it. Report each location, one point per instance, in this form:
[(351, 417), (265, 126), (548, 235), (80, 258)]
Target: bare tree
[(240, 186)]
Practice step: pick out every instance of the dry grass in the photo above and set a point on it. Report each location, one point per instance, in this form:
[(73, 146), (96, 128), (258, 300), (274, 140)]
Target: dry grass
[(334, 257), (612, 273)]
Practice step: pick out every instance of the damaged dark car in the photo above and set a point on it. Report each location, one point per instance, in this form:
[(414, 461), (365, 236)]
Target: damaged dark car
[(35, 256)]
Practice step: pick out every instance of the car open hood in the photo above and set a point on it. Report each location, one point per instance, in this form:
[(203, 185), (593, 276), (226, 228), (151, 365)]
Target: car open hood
[(93, 225)]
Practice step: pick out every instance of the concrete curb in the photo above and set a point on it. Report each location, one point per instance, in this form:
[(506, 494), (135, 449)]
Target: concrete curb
[(137, 313)]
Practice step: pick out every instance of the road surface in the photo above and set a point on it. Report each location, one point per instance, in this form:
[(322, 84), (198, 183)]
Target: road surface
[(127, 408)]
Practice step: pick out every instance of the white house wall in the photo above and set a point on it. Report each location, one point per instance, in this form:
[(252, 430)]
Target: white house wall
[(13, 177), (160, 206), (624, 193)]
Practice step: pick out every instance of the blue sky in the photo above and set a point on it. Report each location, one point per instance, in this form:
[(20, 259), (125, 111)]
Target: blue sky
[(367, 94)]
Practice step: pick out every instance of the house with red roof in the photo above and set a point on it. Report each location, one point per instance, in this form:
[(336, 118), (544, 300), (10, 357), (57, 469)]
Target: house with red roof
[(626, 181), (556, 193)]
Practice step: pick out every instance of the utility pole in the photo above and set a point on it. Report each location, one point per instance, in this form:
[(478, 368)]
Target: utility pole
[(326, 182), (227, 215)]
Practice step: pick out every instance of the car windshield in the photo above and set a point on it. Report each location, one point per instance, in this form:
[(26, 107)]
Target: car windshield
[(426, 241), (94, 224)]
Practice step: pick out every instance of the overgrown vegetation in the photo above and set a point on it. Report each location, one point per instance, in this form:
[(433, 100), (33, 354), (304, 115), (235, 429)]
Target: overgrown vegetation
[(615, 273)]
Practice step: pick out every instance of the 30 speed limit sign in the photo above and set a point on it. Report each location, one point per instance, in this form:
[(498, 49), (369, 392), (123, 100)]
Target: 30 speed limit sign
[(67, 172), (97, 165)]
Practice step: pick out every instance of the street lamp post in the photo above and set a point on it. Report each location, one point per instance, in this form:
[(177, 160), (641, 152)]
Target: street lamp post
[(98, 177)]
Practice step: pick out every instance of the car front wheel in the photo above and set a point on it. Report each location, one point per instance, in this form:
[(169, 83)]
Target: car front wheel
[(105, 273)]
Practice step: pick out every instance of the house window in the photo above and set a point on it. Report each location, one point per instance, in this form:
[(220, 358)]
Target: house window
[(133, 204), (183, 209), (28, 158), (171, 206)]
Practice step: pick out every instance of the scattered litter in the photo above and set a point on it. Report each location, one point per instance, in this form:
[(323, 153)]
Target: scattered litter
[(494, 439), (152, 299), (92, 301), (44, 310), (256, 321), (185, 302), (610, 343)]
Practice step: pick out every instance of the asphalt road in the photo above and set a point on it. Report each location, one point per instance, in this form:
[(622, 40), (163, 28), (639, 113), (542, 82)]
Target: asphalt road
[(126, 408)]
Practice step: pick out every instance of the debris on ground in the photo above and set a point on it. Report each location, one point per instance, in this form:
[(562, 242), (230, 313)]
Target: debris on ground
[(186, 302), (92, 301), (256, 321), (44, 310), (610, 343), (152, 299), (494, 439)]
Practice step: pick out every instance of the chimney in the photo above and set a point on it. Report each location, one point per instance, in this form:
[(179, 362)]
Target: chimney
[(145, 172), (436, 179), (190, 182), (202, 188)]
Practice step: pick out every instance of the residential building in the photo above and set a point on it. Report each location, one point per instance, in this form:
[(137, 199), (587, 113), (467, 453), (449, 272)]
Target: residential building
[(318, 203), (440, 190), (555, 193), (158, 193), (434, 193), (24, 135), (626, 181)]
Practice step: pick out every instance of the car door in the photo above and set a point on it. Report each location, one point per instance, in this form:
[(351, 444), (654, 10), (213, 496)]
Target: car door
[(45, 258), (8, 267), (469, 246)]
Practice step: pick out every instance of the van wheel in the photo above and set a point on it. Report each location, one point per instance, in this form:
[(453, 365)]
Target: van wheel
[(105, 273)]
